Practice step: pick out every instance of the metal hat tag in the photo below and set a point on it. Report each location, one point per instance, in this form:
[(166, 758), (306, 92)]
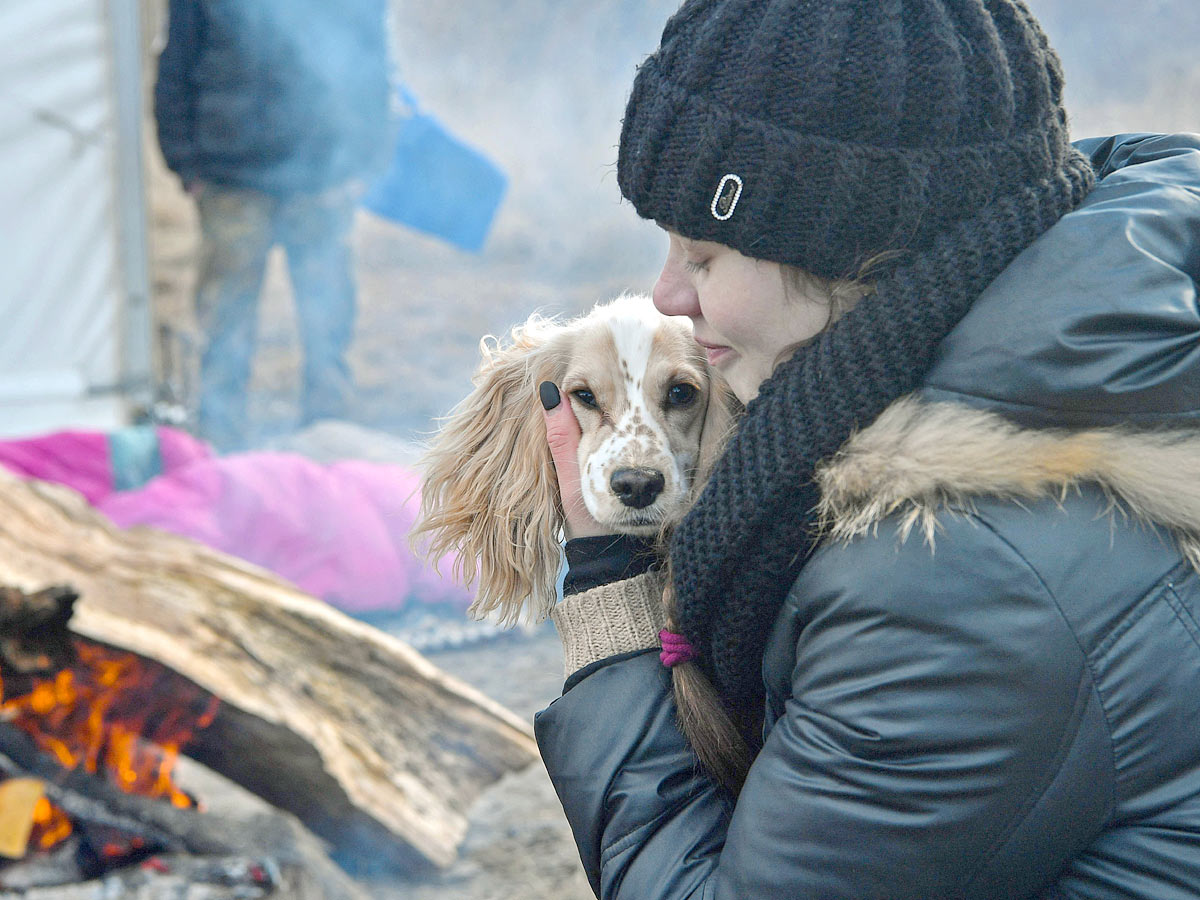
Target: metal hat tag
[(725, 200)]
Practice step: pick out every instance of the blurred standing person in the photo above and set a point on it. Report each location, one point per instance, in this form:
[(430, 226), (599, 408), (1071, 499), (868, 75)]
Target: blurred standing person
[(271, 113)]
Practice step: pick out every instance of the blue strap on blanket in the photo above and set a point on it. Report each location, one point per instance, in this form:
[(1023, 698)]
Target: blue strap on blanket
[(134, 455)]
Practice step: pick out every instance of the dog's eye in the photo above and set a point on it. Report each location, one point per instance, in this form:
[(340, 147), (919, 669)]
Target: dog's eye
[(586, 397), (682, 395)]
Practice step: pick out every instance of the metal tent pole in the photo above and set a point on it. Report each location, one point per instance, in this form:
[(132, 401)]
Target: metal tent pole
[(136, 377)]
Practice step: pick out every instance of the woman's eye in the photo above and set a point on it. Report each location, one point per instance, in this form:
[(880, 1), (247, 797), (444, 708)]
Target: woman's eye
[(682, 395), (586, 397), (695, 267)]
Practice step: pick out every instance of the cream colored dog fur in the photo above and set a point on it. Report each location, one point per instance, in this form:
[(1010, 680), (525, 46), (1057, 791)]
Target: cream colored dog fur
[(647, 404)]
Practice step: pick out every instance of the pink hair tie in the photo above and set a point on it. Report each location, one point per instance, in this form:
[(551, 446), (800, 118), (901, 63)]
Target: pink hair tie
[(675, 649)]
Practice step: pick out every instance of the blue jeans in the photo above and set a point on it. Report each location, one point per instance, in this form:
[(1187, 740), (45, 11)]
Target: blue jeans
[(238, 229)]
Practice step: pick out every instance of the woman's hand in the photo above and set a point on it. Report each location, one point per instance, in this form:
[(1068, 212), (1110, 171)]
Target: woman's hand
[(562, 434)]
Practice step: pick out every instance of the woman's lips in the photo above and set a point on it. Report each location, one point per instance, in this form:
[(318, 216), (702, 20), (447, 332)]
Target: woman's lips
[(714, 352)]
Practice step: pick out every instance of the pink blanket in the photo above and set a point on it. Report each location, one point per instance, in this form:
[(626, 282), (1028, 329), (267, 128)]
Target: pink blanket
[(84, 460), (337, 531)]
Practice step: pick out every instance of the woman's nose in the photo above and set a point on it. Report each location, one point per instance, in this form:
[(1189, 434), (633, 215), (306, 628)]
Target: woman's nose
[(674, 294)]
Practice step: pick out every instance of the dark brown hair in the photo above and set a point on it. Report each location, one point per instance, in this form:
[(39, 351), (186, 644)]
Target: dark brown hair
[(703, 718)]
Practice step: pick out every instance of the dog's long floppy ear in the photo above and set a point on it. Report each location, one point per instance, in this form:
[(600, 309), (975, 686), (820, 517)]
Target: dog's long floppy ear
[(720, 419), (488, 490)]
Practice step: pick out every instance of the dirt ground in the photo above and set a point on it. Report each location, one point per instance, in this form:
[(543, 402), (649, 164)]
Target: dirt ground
[(518, 846)]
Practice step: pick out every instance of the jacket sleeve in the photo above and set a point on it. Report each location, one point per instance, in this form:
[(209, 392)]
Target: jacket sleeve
[(175, 88), (932, 711)]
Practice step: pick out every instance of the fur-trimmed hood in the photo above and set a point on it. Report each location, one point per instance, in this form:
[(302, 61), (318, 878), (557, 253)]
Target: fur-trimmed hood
[(919, 459), (1079, 364)]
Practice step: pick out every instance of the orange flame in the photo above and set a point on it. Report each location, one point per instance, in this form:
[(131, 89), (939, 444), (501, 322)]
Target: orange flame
[(115, 712), (50, 825)]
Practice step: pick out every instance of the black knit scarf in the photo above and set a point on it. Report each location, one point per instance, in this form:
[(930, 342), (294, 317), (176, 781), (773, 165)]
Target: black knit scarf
[(738, 551)]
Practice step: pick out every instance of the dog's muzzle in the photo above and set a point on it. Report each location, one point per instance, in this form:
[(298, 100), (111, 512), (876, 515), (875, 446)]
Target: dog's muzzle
[(637, 488)]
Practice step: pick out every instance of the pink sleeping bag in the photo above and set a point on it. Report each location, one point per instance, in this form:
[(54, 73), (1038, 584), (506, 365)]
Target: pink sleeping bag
[(337, 531)]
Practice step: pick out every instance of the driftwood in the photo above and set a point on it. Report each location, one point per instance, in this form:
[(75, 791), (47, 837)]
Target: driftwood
[(369, 744)]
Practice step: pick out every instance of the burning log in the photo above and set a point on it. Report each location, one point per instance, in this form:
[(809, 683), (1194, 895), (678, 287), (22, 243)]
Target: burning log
[(46, 611), (92, 801), (269, 853), (369, 744)]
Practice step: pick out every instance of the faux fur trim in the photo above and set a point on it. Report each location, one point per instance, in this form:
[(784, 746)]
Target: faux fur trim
[(918, 459)]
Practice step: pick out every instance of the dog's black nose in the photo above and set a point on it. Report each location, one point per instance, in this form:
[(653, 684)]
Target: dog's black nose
[(637, 488)]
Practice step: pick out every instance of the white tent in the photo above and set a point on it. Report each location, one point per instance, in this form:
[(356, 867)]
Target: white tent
[(74, 292)]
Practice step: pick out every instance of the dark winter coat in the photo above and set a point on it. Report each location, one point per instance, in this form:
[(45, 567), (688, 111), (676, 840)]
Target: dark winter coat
[(281, 96), (986, 682)]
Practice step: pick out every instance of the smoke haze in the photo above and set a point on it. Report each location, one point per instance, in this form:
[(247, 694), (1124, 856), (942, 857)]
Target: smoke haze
[(540, 86)]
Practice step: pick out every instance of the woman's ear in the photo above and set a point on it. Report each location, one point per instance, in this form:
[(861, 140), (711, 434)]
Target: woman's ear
[(488, 492)]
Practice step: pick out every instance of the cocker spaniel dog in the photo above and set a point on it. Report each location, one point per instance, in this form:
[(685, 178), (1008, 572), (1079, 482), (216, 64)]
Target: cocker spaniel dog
[(653, 416)]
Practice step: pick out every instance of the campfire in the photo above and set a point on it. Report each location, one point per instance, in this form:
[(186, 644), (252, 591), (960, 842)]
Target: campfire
[(112, 712), (109, 713), (89, 739)]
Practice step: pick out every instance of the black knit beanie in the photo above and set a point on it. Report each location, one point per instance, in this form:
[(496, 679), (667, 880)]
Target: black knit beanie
[(821, 133), (826, 134)]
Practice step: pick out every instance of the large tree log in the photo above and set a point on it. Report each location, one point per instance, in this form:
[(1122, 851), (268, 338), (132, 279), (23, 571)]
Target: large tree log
[(371, 745)]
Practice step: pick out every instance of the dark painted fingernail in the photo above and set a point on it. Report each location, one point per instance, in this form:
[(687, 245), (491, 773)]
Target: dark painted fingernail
[(549, 395)]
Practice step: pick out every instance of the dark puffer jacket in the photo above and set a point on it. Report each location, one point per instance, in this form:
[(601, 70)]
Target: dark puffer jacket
[(281, 96), (986, 683)]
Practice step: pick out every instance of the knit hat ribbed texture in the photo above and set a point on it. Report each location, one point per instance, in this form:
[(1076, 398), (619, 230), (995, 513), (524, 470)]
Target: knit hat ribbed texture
[(855, 127)]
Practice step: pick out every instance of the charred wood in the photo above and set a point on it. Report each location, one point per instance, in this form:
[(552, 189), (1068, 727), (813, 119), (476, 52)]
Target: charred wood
[(181, 877), (91, 800), (33, 629), (265, 851)]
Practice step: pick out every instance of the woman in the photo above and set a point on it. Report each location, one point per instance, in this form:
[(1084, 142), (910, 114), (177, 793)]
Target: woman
[(1004, 702)]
